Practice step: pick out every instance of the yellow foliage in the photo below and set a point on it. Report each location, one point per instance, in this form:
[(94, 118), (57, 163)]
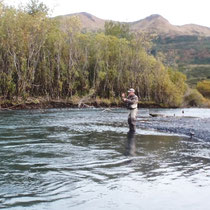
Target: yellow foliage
[(204, 88), (193, 98)]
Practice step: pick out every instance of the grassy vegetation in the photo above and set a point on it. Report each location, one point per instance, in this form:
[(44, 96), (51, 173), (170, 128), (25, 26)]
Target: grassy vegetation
[(195, 73), (190, 54)]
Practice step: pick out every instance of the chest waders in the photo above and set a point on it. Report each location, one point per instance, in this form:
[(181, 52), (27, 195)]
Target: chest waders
[(132, 119)]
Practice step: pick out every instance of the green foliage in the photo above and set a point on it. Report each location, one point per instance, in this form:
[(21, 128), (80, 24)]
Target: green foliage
[(41, 57), (176, 39), (184, 49), (204, 88), (190, 53), (195, 73), (178, 79), (7, 86), (35, 6), (118, 29)]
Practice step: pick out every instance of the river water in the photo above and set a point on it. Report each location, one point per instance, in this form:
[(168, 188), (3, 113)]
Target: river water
[(84, 159)]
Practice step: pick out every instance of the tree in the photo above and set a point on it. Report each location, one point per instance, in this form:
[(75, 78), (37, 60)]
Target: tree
[(193, 98), (51, 57), (35, 6), (118, 29)]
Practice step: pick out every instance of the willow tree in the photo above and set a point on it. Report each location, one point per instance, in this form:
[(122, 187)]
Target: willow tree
[(71, 28), (51, 57), (23, 38)]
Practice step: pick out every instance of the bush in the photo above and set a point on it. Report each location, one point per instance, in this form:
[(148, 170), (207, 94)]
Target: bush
[(193, 98), (204, 88)]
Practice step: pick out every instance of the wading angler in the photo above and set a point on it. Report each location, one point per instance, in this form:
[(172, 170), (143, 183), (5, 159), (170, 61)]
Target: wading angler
[(132, 105)]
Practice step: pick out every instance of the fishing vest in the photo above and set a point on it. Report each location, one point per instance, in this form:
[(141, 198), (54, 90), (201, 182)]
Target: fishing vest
[(132, 102)]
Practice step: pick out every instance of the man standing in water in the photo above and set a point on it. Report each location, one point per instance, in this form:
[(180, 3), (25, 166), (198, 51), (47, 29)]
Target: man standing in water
[(132, 105)]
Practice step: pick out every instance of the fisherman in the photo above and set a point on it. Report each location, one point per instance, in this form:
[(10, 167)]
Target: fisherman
[(132, 105)]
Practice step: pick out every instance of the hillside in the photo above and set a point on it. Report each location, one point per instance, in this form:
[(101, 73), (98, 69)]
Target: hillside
[(186, 47), (152, 24), (190, 54), (88, 21), (161, 26)]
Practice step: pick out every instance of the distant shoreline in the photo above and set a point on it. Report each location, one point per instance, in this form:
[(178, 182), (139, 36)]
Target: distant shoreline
[(18, 103), (41, 103), (60, 105)]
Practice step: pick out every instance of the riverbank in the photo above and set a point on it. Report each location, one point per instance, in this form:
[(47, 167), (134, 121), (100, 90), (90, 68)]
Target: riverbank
[(190, 126), (75, 102)]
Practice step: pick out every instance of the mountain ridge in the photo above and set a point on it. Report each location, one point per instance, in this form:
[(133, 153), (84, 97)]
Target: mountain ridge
[(154, 23)]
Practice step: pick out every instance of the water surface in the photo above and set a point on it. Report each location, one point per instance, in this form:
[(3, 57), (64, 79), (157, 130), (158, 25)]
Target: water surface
[(84, 159)]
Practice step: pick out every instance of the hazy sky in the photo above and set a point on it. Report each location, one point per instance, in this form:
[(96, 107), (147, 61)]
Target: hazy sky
[(177, 12)]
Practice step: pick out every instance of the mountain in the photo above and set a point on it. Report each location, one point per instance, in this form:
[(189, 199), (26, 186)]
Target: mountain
[(186, 47), (152, 24), (88, 21), (161, 26)]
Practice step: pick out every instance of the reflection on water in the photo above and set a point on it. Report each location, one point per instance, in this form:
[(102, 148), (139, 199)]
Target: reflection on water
[(131, 145), (85, 159)]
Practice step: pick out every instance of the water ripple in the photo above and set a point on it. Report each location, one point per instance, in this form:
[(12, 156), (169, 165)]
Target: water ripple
[(80, 159)]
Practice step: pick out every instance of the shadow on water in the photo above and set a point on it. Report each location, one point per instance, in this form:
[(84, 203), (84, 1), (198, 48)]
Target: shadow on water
[(131, 144)]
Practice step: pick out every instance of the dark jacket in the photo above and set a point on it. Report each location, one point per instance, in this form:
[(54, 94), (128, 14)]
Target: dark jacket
[(132, 102)]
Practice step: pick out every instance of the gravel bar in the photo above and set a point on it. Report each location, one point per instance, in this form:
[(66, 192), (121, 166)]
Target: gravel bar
[(193, 127)]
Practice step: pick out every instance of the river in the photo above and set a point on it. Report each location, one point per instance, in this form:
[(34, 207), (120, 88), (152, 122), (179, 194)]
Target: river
[(84, 159)]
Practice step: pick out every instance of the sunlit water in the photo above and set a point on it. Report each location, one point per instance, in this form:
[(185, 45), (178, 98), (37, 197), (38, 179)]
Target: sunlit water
[(84, 159)]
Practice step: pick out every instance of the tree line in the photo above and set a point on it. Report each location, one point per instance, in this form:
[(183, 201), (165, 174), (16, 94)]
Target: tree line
[(43, 56)]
